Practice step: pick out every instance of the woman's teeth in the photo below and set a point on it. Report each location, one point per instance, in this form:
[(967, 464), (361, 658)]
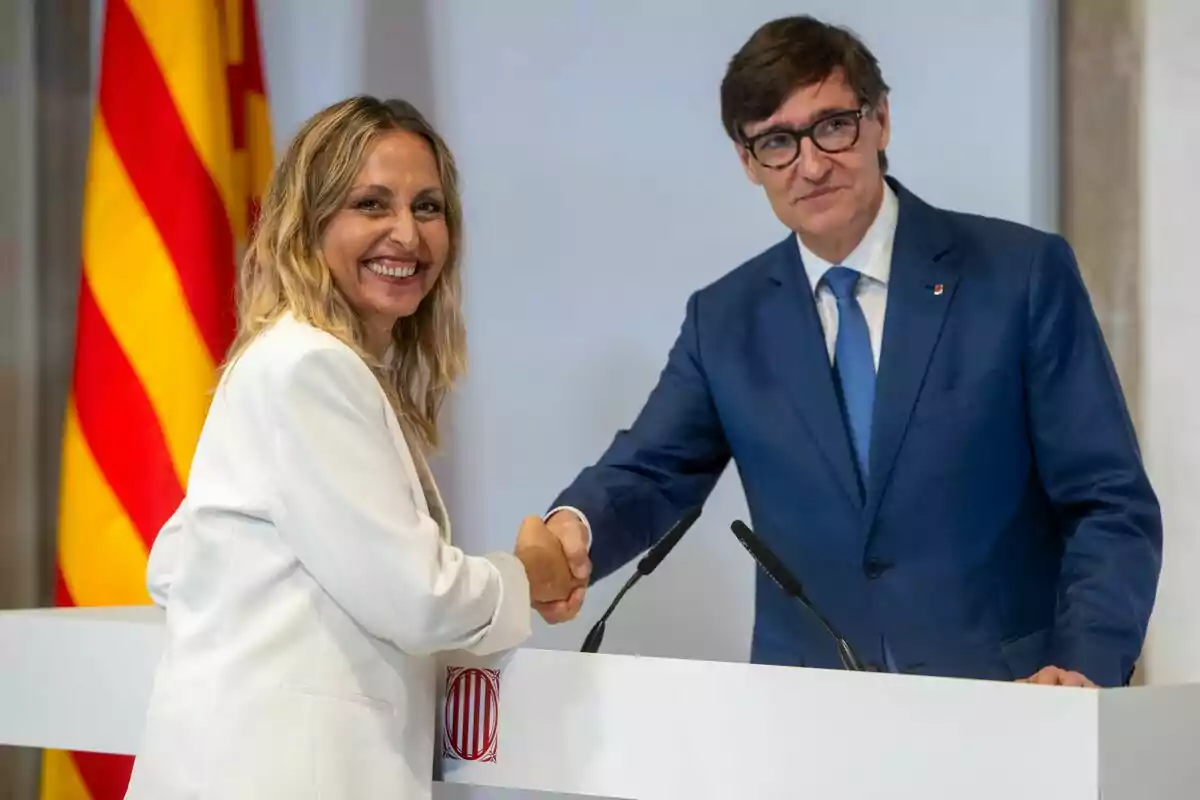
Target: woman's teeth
[(390, 269)]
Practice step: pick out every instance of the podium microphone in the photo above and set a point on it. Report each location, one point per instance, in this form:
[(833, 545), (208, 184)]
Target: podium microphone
[(647, 565), (790, 584)]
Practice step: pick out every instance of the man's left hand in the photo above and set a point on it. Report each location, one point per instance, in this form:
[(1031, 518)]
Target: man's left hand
[(1055, 676)]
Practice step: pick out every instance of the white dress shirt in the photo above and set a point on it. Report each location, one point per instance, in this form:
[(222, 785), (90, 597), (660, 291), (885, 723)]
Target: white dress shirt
[(873, 259)]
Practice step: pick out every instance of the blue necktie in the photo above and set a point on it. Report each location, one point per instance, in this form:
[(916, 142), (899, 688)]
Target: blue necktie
[(854, 364)]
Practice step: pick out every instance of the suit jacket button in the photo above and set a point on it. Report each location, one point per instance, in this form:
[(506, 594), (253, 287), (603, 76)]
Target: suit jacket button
[(873, 568)]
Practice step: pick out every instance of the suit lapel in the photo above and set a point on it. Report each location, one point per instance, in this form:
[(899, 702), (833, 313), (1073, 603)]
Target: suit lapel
[(795, 348), (924, 277)]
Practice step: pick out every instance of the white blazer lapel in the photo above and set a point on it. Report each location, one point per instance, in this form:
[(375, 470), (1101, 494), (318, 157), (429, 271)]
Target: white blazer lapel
[(429, 499)]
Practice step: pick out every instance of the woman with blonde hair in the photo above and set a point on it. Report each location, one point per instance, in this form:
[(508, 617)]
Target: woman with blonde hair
[(308, 576)]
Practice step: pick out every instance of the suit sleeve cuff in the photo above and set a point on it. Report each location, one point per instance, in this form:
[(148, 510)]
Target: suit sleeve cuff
[(512, 623), (1101, 665), (582, 518)]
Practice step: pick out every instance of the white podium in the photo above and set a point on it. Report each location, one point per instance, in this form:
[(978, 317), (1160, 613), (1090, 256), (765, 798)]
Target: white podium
[(651, 728)]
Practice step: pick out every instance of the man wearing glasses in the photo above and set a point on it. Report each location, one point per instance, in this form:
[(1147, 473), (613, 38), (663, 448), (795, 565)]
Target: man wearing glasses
[(919, 402)]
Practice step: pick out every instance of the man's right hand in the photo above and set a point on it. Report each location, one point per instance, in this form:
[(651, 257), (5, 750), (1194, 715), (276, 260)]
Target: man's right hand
[(573, 536), (546, 567)]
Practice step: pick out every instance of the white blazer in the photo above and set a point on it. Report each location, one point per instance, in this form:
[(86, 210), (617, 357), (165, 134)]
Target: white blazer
[(308, 583)]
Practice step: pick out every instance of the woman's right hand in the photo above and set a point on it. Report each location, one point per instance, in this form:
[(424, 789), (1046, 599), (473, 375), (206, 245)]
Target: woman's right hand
[(540, 551)]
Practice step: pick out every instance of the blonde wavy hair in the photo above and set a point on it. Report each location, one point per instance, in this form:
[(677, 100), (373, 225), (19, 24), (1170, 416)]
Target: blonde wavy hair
[(284, 270)]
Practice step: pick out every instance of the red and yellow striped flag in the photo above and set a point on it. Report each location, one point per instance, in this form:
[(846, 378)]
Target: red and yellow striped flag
[(180, 153)]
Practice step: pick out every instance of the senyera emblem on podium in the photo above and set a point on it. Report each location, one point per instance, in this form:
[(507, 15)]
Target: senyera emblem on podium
[(471, 713)]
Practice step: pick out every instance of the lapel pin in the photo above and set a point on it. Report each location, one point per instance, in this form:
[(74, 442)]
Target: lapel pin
[(938, 288)]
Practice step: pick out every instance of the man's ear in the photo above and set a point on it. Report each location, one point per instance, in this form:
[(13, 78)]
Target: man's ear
[(748, 164), (884, 115)]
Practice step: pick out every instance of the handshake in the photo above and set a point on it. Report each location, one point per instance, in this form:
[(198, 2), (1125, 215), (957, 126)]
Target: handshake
[(555, 556)]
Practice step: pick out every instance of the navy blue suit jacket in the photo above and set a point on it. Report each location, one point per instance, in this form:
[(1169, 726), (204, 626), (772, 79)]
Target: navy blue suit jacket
[(1008, 523)]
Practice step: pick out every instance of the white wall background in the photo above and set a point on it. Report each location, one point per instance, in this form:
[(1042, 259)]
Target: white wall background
[(1170, 196), (585, 238)]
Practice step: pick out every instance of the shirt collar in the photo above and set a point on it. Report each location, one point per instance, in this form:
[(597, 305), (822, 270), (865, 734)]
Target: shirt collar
[(873, 255)]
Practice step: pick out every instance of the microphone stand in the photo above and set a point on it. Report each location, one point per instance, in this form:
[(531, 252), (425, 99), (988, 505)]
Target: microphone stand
[(790, 584), (591, 642), (648, 564)]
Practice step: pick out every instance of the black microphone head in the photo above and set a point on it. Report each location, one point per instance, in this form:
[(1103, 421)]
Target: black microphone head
[(666, 544), (769, 562)]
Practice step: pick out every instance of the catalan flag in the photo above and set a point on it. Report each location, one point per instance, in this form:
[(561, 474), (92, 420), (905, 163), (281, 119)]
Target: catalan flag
[(180, 152)]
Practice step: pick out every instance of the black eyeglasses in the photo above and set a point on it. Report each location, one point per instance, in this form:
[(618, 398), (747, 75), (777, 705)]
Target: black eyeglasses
[(779, 147)]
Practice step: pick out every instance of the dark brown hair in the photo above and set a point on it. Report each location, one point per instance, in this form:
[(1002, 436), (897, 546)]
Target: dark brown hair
[(789, 53)]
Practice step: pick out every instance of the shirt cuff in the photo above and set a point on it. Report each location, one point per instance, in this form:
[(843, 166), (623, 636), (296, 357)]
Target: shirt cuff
[(582, 518)]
